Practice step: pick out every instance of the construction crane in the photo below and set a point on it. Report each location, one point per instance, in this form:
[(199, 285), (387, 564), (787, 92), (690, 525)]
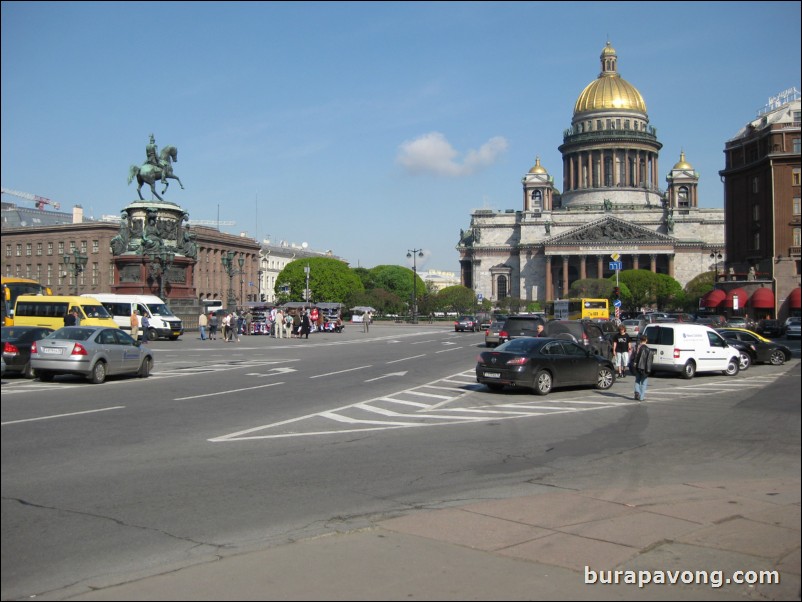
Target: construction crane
[(40, 201)]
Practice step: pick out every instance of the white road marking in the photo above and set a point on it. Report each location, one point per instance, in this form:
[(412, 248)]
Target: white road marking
[(62, 415)]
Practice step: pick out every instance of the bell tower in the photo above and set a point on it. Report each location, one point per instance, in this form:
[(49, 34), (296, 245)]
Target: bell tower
[(683, 183), (538, 189)]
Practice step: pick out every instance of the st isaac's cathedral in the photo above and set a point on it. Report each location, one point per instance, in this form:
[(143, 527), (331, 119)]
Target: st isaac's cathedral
[(611, 205)]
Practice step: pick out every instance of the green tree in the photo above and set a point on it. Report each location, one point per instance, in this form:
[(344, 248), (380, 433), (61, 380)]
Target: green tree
[(645, 288), (456, 298), (398, 280), (594, 288), (330, 280), (697, 288)]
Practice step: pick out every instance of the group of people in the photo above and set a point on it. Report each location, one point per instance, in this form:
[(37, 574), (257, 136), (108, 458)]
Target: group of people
[(230, 326), (638, 361), (139, 321), (278, 324)]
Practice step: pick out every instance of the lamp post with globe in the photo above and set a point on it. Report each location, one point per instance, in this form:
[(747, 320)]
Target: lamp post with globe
[(414, 254)]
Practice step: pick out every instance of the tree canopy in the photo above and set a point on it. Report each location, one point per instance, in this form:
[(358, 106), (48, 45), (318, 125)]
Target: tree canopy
[(330, 280)]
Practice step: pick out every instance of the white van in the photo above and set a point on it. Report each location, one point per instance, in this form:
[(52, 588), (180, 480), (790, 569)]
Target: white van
[(690, 348), (163, 323)]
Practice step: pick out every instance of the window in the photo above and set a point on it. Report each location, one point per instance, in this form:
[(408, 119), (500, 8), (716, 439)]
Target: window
[(19, 250), (796, 205), (50, 248), (501, 284), (795, 177), (797, 237), (28, 249), (95, 246), (626, 124), (755, 184), (8, 250), (797, 146), (755, 212), (599, 124), (39, 249), (682, 197), (83, 247), (756, 241), (61, 248)]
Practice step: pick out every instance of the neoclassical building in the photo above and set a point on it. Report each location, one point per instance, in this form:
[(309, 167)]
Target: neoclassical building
[(611, 205)]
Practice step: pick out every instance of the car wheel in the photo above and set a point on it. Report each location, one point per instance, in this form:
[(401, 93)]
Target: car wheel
[(606, 378), (543, 383), (733, 366), (777, 358), (745, 361), (27, 371), (689, 370), (152, 335), (144, 369), (98, 375), (45, 377)]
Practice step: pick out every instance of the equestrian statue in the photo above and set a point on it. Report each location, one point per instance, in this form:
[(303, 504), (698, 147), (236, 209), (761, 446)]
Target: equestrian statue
[(157, 166)]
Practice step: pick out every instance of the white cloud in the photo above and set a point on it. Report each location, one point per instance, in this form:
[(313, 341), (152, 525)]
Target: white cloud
[(432, 153)]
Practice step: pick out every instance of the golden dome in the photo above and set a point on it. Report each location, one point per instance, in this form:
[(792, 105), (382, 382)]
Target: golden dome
[(538, 168), (683, 164), (609, 90)]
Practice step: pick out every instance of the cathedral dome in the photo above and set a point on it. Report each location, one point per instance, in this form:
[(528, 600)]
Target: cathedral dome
[(538, 168), (609, 91), (683, 164)]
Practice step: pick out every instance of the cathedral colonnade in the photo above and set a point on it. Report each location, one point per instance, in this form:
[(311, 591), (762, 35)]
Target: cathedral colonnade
[(564, 269)]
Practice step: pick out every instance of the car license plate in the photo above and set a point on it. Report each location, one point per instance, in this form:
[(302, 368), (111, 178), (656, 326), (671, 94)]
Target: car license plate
[(492, 375), (51, 350)]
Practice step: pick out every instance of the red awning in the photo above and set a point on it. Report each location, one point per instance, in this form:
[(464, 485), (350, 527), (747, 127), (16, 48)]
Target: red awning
[(712, 298), (795, 299), (742, 298), (762, 298)]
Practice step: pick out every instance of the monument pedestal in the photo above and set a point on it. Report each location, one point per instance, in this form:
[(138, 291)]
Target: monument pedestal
[(133, 276)]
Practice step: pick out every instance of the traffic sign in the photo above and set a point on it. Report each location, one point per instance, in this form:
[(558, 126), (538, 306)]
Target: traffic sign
[(617, 303), (614, 256), (616, 265)]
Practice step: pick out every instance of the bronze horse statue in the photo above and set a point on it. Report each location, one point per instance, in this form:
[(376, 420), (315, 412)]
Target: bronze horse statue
[(150, 173)]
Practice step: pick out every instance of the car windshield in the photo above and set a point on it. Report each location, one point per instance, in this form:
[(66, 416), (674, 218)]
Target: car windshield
[(72, 333), (160, 309)]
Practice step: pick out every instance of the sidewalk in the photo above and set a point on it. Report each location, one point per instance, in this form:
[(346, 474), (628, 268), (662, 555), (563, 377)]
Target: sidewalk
[(537, 547)]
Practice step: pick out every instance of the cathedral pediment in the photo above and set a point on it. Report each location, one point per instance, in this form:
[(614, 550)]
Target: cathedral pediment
[(609, 230)]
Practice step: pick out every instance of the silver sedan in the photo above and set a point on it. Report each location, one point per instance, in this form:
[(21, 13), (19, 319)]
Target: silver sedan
[(94, 352)]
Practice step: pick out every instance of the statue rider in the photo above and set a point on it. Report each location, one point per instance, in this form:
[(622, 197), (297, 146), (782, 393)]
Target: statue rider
[(152, 156)]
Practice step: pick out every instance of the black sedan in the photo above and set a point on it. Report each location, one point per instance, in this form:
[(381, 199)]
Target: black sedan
[(761, 349), (542, 364), (16, 344)]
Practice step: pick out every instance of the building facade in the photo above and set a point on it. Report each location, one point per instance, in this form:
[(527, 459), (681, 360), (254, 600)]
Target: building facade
[(762, 207), (611, 206)]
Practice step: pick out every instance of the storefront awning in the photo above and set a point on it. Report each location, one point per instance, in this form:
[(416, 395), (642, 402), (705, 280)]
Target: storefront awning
[(742, 298), (762, 298), (713, 298), (795, 298)]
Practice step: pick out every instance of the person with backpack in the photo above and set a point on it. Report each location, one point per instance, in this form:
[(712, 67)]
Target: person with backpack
[(641, 366)]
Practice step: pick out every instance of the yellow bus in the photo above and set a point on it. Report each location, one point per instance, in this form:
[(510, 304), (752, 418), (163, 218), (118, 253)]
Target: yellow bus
[(578, 309), (13, 288), (49, 311)]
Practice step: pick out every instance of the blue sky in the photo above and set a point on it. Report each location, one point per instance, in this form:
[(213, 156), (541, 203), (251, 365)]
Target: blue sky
[(365, 128)]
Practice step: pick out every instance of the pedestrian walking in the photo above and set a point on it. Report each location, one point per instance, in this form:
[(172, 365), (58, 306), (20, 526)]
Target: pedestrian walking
[(278, 324), (622, 347), (213, 322), (135, 324), (145, 322), (203, 322), (366, 322), (641, 366), (306, 325)]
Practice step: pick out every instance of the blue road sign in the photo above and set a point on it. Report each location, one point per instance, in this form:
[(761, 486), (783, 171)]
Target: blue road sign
[(617, 303), (616, 265)]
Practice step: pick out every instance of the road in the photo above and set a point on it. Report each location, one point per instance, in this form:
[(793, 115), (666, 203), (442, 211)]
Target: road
[(231, 447)]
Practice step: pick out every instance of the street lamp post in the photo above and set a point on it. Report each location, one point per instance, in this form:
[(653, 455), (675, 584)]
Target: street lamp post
[(414, 254), (231, 270), (76, 262), (160, 263), (306, 290), (716, 256)]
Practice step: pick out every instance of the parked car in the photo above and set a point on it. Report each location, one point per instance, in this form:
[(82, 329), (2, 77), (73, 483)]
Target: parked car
[(585, 332), (747, 351), (492, 332), (16, 345), (634, 327), (792, 328), (765, 351), (466, 323), (94, 352), (522, 325), (543, 364), (769, 328), (740, 322)]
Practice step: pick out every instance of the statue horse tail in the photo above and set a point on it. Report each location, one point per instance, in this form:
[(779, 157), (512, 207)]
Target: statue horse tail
[(132, 173)]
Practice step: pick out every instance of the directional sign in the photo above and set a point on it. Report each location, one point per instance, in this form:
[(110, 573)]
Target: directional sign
[(616, 265), (617, 303)]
